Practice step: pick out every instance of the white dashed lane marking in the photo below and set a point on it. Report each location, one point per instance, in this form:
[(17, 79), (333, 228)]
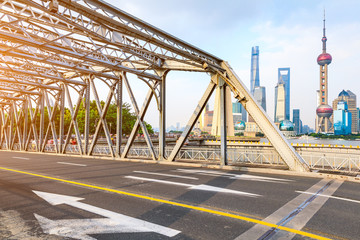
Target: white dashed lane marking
[(23, 158), (166, 175), (74, 164), (201, 187)]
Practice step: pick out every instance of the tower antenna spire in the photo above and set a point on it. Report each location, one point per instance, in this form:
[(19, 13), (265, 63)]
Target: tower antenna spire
[(324, 39)]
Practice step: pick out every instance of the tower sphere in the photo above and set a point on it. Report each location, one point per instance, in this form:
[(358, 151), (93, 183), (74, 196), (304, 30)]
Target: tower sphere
[(324, 58), (324, 110), (240, 125)]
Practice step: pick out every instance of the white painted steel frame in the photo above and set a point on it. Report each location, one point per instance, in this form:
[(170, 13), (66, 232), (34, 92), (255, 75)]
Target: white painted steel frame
[(55, 45)]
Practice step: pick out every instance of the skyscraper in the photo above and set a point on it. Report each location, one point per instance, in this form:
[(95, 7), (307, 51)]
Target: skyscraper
[(350, 98), (353, 109), (256, 90), (323, 111), (279, 102), (284, 78), (297, 121), (342, 119), (260, 96), (239, 110), (358, 113), (254, 77)]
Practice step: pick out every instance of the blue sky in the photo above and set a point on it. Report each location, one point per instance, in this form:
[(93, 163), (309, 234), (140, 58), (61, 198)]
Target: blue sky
[(288, 34)]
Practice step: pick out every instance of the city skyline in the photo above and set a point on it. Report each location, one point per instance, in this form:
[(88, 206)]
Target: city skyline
[(291, 40)]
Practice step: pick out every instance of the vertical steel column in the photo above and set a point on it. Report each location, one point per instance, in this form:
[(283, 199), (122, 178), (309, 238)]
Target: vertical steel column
[(1, 126), (223, 147), (11, 114), (25, 127), (118, 117), (17, 133), (162, 118), (87, 115), (62, 113), (42, 119)]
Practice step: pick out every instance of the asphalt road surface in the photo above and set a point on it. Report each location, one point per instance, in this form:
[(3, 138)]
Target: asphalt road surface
[(59, 197)]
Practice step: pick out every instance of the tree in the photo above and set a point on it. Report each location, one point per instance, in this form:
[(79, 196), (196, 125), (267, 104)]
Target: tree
[(128, 119)]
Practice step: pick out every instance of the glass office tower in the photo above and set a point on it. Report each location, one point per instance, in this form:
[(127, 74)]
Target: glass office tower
[(284, 78)]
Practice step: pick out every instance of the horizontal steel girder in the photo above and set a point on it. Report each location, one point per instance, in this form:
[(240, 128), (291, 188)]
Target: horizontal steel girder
[(16, 84), (42, 76), (59, 50)]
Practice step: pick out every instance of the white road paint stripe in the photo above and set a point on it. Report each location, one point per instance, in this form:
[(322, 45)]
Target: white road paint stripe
[(160, 181), (234, 176), (21, 158), (300, 220), (74, 164), (202, 187), (328, 196), (167, 175)]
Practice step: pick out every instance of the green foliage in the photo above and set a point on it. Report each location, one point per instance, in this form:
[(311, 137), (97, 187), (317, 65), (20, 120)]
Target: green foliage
[(346, 137), (128, 119)]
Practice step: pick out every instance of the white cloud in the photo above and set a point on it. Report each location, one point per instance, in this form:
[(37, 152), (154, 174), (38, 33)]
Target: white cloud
[(288, 34)]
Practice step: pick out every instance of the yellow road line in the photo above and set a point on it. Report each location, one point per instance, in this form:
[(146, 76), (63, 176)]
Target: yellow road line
[(202, 209)]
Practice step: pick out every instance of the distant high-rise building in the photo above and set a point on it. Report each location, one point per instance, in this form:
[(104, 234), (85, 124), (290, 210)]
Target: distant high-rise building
[(358, 114), (260, 96), (205, 119), (236, 107), (256, 90), (350, 98), (254, 77), (323, 111), (297, 121), (279, 102), (353, 109), (342, 119), (239, 113), (284, 78), (306, 129)]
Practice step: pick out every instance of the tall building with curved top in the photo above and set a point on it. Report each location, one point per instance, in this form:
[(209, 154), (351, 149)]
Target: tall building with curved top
[(323, 111)]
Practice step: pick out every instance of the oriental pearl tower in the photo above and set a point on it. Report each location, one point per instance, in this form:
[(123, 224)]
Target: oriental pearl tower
[(323, 111)]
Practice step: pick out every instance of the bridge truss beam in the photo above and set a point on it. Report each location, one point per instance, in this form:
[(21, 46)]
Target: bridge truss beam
[(55, 52)]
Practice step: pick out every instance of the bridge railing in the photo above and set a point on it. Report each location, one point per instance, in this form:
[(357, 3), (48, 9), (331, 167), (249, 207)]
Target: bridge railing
[(319, 159), (343, 162)]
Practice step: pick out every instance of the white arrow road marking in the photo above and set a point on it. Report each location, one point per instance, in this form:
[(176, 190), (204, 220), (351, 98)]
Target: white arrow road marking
[(202, 187), (166, 175), (23, 158), (234, 176), (80, 228), (74, 164)]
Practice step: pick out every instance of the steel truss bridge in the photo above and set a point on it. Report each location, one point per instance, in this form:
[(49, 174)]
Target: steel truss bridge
[(55, 51)]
